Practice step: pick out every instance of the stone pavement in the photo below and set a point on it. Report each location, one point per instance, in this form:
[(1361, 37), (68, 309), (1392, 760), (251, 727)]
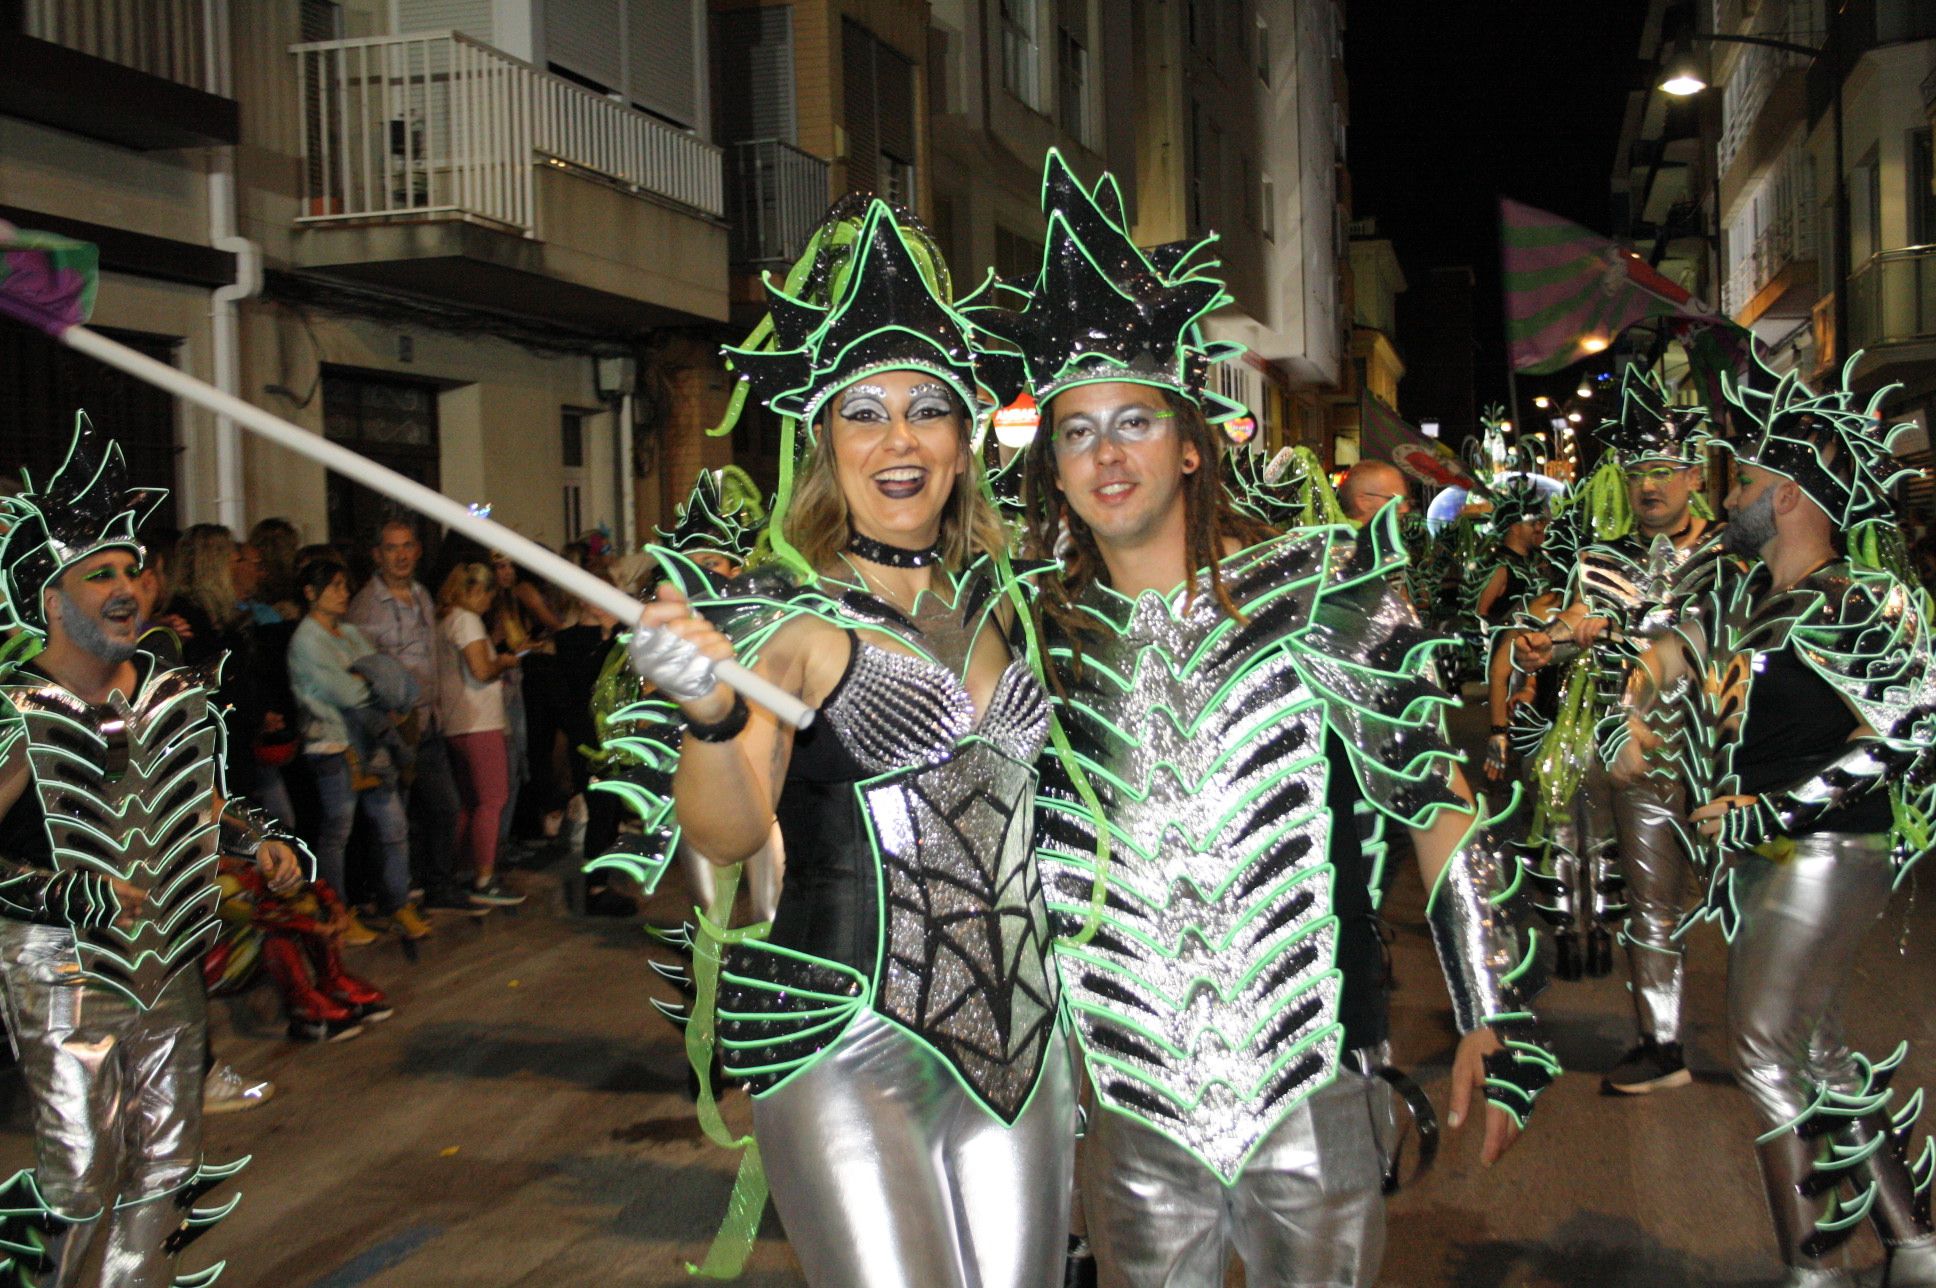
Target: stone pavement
[(523, 1121)]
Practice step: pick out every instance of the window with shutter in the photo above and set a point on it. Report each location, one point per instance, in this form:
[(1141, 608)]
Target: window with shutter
[(582, 41), (472, 17), (863, 118), (753, 58), (659, 63), (877, 92)]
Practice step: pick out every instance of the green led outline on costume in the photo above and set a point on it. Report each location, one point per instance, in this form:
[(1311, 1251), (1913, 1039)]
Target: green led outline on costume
[(1181, 1007), (1269, 1075)]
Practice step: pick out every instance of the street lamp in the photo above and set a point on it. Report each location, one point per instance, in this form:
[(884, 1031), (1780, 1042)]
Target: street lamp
[(1682, 75), (1542, 402), (1585, 390)]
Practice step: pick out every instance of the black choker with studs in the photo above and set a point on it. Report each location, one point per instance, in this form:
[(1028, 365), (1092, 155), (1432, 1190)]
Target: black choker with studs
[(887, 556)]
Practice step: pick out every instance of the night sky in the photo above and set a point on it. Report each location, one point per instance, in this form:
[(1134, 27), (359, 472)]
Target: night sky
[(1455, 104)]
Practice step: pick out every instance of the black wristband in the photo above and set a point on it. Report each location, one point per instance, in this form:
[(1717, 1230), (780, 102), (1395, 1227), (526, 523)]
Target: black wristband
[(725, 729), (1499, 729)]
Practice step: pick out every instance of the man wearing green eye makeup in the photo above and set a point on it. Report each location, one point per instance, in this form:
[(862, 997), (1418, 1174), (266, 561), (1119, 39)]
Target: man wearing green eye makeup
[(1621, 835)]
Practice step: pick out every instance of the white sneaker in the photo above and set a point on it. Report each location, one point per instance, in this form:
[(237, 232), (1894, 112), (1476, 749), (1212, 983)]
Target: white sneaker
[(225, 1091)]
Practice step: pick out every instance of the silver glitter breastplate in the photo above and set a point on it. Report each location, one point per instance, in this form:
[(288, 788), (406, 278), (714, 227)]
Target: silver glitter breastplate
[(127, 790), (1207, 1002), (963, 961)]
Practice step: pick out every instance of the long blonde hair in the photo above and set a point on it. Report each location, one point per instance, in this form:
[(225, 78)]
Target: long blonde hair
[(203, 571), (819, 525)]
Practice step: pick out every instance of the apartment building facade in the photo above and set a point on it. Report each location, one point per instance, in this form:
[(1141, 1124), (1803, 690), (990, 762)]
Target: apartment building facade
[(482, 241)]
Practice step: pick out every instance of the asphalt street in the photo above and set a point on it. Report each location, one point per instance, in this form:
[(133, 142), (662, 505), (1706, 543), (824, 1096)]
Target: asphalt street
[(523, 1120)]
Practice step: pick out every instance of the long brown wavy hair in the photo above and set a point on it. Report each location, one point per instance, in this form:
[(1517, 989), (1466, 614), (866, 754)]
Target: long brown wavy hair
[(819, 525), (1208, 516)]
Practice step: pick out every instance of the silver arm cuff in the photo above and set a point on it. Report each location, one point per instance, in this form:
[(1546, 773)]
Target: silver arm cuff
[(1865, 766), (1491, 968), (245, 827)]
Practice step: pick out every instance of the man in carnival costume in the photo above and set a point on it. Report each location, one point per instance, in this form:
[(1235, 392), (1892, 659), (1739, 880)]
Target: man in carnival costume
[(1609, 838), (111, 819), (1797, 701), (1220, 952)]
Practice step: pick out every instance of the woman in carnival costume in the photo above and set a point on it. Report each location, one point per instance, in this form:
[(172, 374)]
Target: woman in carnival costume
[(913, 1100), (1796, 699), (1228, 728)]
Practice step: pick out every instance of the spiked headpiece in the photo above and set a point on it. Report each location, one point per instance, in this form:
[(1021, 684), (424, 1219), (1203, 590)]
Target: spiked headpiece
[(868, 296), (86, 507), (1836, 453), (723, 516), (1101, 309), (1516, 500), (1649, 427)]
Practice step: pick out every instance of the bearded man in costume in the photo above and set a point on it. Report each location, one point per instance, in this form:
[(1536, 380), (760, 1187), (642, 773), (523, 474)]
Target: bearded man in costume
[(111, 819), (1796, 699)]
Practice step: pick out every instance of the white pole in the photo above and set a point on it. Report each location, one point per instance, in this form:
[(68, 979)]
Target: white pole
[(522, 551)]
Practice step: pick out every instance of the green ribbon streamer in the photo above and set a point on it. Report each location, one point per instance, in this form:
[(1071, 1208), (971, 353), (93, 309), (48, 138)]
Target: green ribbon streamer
[(741, 1226), (1561, 761)]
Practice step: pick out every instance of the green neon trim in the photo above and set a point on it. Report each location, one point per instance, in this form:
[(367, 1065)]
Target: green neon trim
[(1527, 962)]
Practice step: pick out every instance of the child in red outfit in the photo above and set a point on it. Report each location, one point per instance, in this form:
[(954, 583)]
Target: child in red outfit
[(297, 939)]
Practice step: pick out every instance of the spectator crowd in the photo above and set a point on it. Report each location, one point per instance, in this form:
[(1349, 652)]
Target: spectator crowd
[(422, 724)]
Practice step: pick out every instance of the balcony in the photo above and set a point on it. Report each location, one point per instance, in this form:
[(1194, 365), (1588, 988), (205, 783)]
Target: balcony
[(440, 124), (438, 164), (141, 74), (1892, 306), (775, 197)]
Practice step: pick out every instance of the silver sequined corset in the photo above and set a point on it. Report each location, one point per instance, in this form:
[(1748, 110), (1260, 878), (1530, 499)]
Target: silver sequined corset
[(127, 790), (1208, 1000), (944, 808)]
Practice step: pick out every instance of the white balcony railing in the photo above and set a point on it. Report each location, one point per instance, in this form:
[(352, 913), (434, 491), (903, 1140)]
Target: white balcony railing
[(165, 38), (439, 124)]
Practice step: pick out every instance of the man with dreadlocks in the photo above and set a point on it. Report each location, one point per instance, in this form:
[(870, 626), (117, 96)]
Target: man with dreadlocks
[(111, 817), (1607, 836), (1235, 703), (1797, 700)]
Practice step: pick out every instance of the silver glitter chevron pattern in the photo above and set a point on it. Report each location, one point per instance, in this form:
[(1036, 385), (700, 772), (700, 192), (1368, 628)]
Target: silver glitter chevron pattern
[(1207, 1001), (128, 793), (1209, 998)]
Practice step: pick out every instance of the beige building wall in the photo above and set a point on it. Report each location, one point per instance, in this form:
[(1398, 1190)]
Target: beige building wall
[(498, 415)]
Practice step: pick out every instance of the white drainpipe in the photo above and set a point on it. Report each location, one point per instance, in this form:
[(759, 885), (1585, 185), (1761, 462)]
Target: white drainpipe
[(627, 492), (224, 319)]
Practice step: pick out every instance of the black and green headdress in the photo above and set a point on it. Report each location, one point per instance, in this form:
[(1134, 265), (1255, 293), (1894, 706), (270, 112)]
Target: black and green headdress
[(1101, 309), (870, 294), (85, 508), (1518, 499), (1650, 427), (1836, 452), (723, 516)]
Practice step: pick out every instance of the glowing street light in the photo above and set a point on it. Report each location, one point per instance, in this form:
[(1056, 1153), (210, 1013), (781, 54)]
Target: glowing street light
[(1542, 402), (1585, 390)]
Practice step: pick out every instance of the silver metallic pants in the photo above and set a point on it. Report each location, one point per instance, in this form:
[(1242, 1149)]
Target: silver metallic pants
[(1656, 872), (1583, 844), (1802, 922), (117, 1100), (1308, 1209), (887, 1174)]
